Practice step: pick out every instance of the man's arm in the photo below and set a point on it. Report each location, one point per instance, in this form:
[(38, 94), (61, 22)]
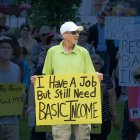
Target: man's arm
[(47, 69)]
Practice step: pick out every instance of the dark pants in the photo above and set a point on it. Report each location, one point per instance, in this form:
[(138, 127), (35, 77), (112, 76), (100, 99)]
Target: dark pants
[(105, 130), (40, 135)]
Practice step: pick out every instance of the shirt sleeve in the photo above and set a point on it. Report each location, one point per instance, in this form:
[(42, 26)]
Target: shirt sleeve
[(47, 68), (88, 64)]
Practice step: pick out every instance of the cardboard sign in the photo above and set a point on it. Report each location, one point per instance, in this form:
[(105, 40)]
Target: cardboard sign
[(119, 28), (10, 102), (68, 99), (129, 63), (127, 31)]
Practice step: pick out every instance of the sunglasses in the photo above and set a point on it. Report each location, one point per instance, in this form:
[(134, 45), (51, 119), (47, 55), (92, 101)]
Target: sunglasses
[(45, 34), (96, 63), (83, 34), (74, 32)]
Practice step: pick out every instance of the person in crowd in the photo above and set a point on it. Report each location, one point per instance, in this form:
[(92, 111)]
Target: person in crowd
[(16, 53), (17, 58), (83, 42), (129, 129), (3, 26), (26, 40), (57, 62), (35, 35), (43, 32), (104, 47), (51, 39), (26, 71), (109, 112), (9, 73)]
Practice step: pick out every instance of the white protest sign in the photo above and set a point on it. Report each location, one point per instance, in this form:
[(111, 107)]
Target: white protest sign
[(129, 63), (119, 28)]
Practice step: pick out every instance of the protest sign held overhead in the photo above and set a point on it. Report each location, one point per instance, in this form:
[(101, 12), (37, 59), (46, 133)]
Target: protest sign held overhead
[(68, 99), (129, 63), (10, 99), (126, 30), (119, 28)]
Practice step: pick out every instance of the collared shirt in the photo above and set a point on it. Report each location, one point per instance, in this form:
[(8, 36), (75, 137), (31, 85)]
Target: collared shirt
[(102, 41), (58, 61)]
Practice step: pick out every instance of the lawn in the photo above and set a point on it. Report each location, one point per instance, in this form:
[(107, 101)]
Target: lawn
[(114, 135)]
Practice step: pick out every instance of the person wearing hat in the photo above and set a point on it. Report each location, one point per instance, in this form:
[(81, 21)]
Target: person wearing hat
[(9, 73), (69, 58)]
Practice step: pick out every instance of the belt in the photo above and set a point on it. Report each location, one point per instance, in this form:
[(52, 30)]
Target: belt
[(101, 52)]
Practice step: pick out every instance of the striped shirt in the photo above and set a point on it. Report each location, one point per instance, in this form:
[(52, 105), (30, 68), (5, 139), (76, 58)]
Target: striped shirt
[(106, 84)]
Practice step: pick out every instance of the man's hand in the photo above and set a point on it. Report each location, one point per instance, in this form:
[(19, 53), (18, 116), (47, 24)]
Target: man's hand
[(30, 108), (33, 79), (100, 76)]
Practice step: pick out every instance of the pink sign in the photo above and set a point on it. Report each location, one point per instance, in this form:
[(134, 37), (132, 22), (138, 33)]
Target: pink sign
[(134, 103)]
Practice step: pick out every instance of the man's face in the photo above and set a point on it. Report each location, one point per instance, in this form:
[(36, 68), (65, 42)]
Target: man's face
[(72, 37), (6, 51), (97, 65), (25, 32), (101, 19)]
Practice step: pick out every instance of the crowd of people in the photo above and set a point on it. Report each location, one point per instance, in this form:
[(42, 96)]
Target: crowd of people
[(43, 51)]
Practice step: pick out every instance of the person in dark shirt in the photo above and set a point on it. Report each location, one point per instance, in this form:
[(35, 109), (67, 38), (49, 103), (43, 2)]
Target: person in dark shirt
[(109, 113)]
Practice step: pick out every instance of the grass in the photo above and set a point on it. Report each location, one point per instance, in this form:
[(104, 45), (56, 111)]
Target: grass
[(114, 135), (24, 130)]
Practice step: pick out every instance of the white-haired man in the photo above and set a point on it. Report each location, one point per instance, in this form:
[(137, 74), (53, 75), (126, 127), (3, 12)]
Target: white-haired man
[(69, 58)]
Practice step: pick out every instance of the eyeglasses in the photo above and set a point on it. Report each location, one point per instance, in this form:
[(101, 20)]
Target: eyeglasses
[(5, 48), (44, 34), (74, 32)]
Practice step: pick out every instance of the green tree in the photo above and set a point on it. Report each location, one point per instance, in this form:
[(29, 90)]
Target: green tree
[(53, 12)]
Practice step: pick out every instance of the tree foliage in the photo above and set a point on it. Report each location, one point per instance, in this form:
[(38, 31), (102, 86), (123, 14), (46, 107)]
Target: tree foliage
[(53, 12)]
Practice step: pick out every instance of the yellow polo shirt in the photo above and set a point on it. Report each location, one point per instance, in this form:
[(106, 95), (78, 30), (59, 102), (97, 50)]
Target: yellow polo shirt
[(58, 61)]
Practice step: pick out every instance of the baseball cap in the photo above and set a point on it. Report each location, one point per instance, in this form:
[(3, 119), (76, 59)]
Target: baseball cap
[(70, 26)]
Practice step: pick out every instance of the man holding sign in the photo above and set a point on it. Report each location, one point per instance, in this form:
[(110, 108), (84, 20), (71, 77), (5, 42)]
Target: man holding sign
[(69, 58)]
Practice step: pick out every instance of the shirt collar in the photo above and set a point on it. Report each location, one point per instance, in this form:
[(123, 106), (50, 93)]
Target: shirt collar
[(75, 50)]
